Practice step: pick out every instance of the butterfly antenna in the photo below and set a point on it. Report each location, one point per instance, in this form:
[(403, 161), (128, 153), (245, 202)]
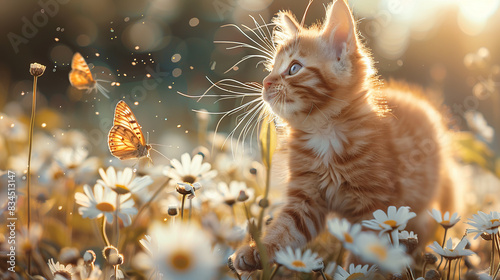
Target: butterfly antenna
[(102, 90), (161, 145), (160, 153)]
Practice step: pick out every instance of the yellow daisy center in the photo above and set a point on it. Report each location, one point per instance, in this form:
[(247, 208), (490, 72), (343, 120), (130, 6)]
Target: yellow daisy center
[(379, 251), (180, 261), (348, 238), (121, 189), (391, 223), (298, 263), (105, 207), (189, 179), (447, 222), (356, 276)]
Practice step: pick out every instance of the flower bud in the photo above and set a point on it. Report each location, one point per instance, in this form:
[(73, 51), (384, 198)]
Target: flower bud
[(37, 69)]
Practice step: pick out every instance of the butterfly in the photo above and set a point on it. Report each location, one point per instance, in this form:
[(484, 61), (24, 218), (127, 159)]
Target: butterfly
[(125, 139), (81, 78)]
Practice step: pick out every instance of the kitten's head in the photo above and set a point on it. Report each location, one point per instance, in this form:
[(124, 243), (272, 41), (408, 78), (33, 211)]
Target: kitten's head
[(317, 71)]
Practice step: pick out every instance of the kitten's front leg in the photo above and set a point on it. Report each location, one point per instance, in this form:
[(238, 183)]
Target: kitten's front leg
[(300, 220)]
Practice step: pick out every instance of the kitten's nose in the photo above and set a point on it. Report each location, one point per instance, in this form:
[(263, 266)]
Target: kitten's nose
[(268, 81)]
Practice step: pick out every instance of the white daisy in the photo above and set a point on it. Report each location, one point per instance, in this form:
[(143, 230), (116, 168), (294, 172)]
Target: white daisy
[(379, 251), (451, 252), (484, 223), (103, 202), (189, 170), (122, 181), (355, 272), (393, 221), (344, 231), (297, 261), (407, 235), (59, 270), (230, 193), (331, 268), (446, 221), (182, 252)]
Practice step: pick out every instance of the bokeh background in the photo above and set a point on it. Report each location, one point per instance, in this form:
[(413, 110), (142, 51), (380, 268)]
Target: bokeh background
[(153, 49), (150, 51)]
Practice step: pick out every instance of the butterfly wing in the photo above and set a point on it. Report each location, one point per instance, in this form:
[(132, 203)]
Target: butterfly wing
[(124, 117), (125, 138), (123, 143), (80, 76)]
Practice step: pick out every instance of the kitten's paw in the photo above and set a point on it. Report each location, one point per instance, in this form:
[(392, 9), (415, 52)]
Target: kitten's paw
[(245, 259)]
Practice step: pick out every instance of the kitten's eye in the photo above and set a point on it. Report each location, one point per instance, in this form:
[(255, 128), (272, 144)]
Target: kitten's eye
[(294, 69)]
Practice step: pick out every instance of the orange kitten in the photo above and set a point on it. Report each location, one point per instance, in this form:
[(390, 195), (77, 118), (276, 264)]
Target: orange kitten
[(355, 145)]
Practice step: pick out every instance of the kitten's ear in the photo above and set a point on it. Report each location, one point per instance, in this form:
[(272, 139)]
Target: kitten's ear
[(339, 28), (288, 24)]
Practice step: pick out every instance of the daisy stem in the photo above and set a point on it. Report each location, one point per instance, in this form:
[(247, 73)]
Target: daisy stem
[(455, 269), (339, 257), (409, 272), (266, 194), (323, 274), (28, 175), (255, 233), (497, 236), (144, 206), (492, 258), (190, 209), (182, 206), (448, 263), (424, 268), (442, 245), (117, 225), (274, 271), (390, 238), (103, 231), (234, 214)]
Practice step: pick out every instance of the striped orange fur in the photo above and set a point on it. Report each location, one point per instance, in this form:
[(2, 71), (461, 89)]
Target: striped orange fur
[(356, 144)]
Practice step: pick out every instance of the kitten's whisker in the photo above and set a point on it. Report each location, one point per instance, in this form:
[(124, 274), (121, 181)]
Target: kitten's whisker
[(266, 25), (305, 13), (244, 132), (264, 38), (331, 97), (246, 35), (267, 52), (250, 86), (241, 118), (326, 118), (247, 57)]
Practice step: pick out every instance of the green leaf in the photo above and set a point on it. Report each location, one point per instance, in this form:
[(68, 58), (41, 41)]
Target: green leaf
[(471, 150), (268, 140)]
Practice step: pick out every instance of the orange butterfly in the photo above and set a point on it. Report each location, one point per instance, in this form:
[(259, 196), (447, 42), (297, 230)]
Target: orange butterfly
[(125, 139), (81, 78)]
